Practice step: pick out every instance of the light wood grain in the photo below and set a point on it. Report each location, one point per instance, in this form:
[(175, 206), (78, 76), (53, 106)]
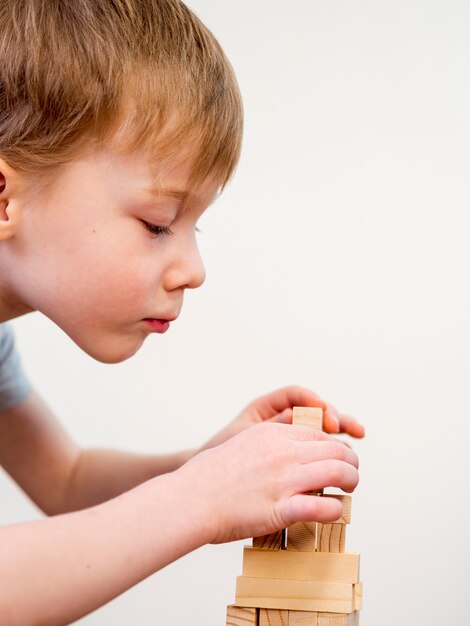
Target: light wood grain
[(273, 617), (302, 536), (338, 619), (331, 537), (303, 618), (298, 595), (241, 616), (307, 416), (272, 541), (290, 565)]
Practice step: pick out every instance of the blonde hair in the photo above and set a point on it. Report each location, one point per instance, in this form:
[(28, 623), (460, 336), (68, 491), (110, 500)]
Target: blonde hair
[(146, 70)]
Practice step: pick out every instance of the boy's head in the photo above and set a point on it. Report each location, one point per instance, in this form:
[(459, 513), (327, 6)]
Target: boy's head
[(146, 72), (100, 102)]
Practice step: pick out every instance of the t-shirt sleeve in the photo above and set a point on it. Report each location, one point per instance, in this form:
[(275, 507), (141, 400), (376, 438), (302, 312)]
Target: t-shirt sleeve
[(14, 385)]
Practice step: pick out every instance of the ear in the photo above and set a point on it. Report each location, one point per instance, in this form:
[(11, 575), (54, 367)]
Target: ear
[(10, 202)]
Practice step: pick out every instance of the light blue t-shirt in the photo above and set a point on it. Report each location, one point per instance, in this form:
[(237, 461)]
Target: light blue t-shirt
[(14, 386)]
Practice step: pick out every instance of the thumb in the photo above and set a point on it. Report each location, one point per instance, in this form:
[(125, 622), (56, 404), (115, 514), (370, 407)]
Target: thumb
[(284, 417)]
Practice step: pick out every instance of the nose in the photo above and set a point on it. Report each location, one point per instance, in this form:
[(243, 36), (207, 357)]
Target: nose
[(186, 271)]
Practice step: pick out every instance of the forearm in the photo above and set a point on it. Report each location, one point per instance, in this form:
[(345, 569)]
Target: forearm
[(57, 475), (56, 570), (99, 475)]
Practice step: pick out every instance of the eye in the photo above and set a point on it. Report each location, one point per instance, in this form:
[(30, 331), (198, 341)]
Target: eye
[(157, 230)]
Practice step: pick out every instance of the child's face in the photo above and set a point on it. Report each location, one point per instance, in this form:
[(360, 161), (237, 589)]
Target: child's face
[(83, 253)]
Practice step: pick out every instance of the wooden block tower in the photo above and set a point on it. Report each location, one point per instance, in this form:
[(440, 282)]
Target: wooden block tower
[(300, 576)]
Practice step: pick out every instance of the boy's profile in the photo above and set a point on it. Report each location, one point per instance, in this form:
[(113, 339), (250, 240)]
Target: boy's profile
[(120, 122)]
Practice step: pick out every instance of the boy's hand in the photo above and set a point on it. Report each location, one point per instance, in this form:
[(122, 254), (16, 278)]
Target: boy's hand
[(277, 407), (258, 481)]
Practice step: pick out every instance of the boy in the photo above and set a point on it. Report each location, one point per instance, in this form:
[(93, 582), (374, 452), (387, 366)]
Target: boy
[(120, 122)]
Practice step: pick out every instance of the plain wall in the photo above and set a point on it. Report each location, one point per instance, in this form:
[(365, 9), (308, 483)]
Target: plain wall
[(337, 259)]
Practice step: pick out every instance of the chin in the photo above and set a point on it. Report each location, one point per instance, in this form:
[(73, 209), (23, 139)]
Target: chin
[(112, 351)]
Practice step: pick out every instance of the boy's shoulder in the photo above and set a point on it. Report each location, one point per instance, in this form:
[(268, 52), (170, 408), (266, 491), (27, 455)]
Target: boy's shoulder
[(14, 385)]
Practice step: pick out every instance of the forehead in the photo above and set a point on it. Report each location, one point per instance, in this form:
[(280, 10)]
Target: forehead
[(176, 156), (137, 175), (144, 170), (173, 179)]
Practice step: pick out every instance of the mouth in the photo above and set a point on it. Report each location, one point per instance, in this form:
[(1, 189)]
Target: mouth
[(158, 325)]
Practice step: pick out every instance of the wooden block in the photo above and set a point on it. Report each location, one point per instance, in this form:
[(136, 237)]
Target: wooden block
[(303, 618), (357, 596), (338, 619), (297, 595), (273, 617), (302, 536), (273, 541), (331, 537), (346, 501), (307, 416), (290, 565), (241, 616)]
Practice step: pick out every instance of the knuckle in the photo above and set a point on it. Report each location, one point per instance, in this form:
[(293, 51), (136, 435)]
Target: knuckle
[(337, 451), (283, 515), (335, 472)]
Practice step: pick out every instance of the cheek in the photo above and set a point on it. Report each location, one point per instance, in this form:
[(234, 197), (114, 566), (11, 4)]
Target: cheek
[(118, 279), (87, 268), (104, 297), (124, 277)]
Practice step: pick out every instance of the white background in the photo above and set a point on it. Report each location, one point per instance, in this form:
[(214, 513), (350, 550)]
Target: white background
[(337, 259)]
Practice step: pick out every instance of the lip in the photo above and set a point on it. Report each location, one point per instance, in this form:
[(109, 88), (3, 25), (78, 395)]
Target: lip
[(157, 325)]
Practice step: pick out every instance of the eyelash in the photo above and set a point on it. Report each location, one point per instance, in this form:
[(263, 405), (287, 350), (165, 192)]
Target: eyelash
[(157, 230), (161, 230)]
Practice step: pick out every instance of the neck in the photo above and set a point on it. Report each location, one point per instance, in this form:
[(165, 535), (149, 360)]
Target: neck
[(9, 309), (10, 305)]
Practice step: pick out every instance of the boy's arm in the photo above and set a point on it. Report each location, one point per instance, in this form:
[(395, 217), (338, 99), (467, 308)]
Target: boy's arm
[(58, 475), (55, 570), (68, 565)]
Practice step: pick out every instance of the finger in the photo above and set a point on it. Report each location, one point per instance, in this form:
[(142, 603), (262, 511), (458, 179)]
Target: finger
[(330, 415), (333, 422), (351, 426), (322, 474), (285, 417), (286, 398), (306, 433), (304, 508), (344, 442), (331, 419), (322, 450)]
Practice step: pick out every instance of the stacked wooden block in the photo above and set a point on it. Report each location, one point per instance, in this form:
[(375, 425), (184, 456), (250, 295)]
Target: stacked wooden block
[(300, 576)]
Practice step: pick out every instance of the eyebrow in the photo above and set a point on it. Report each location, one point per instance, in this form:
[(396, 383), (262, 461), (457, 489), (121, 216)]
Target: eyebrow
[(178, 194)]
